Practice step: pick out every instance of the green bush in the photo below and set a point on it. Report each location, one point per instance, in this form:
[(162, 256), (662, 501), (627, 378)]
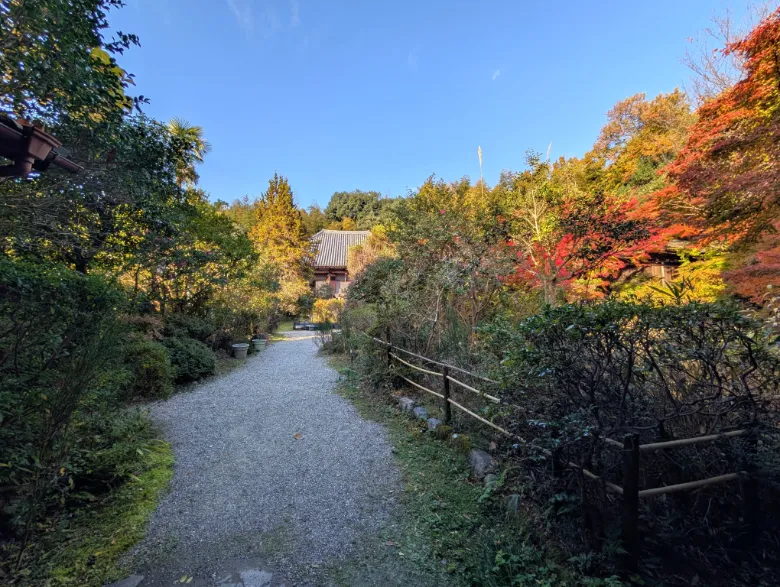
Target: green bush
[(576, 374), (185, 325), (111, 450), (60, 355), (151, 372), (190, 358)]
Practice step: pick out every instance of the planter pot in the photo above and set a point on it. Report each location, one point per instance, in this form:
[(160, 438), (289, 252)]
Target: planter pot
[(258, 344), (240, 350)]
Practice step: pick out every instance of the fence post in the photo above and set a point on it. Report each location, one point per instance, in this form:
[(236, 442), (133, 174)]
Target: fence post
[(751, 495), (446, 393), (631, 500)]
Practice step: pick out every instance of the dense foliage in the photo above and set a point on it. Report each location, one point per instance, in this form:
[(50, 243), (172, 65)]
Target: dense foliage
[(599, 293), (115, 282), (632, 290)]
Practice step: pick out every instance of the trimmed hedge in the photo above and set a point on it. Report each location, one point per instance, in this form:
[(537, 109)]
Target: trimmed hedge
[(184, 325), (151, 372), (191, 359)]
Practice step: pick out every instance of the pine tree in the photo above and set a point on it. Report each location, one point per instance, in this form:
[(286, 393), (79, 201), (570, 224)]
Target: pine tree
[(279, 234), (279, 237)]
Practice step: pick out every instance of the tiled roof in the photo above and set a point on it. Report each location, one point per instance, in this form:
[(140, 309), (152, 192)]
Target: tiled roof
[(332, 246)]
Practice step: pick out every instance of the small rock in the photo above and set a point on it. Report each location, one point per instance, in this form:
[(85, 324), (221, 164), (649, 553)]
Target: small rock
[(481, 463), (420, 412), (133, 581), (406, 404), (433, 423), (255, 578)]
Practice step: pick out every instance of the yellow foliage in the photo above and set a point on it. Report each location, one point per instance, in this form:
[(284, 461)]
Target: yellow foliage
[(704, 276), (328, 310)]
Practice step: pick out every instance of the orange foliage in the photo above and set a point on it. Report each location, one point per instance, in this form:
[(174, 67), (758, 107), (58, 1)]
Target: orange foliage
[(727, 178)]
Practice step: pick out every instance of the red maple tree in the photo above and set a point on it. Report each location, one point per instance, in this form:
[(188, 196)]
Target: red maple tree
[(726, 180)]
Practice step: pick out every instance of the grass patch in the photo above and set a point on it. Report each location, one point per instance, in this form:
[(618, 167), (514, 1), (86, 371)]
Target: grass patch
[(285, 326), (450, 529), (85, 549)]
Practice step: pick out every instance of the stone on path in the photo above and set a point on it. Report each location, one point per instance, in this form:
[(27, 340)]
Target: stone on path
[(420, 412), (132, 581), (481, 463), (256, 578)]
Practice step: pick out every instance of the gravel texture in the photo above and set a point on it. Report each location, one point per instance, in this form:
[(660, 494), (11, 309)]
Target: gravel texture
[(274, 474)]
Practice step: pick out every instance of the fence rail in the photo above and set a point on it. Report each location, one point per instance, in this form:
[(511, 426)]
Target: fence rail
[(630, 447)]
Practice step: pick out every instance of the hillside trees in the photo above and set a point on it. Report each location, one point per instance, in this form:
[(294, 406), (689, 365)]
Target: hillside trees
[(725, 180), (364, 208), (314, 219), (729, 171), (450, 258), (561, 233), (640, 137)]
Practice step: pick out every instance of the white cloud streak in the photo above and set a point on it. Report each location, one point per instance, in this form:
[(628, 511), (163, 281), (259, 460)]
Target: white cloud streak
[(496, 73), (242, 11), (264, 15), (295, 13)]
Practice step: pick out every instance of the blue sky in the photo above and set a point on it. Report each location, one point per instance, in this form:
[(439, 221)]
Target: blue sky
[(378, 95)]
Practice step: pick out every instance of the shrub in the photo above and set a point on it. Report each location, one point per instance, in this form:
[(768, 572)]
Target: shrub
[(328, 311), (111, 449), (149, 326), (181, 325), (368, 286), (60, 353), (589, 372), (150, 369), (191, 359)]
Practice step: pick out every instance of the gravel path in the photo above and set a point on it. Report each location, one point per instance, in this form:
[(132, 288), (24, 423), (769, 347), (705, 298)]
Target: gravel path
[(276, 476)]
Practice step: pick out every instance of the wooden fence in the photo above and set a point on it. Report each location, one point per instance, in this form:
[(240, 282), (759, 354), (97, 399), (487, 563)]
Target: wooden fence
[(630, 447)]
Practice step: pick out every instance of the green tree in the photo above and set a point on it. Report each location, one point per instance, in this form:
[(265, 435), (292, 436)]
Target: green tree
[(128, 192), (242, 211), (365, 208), (55, 64), (314, 219)]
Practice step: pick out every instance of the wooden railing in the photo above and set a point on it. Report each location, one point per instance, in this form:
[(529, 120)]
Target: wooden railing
[(630, 447)]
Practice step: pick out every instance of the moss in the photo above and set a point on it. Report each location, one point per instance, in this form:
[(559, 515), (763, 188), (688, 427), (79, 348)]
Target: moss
[(462, 443), (443, 432), (85, 550)]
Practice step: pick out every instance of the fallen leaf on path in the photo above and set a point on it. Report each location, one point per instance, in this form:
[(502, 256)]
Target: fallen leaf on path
[(298, 436)]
